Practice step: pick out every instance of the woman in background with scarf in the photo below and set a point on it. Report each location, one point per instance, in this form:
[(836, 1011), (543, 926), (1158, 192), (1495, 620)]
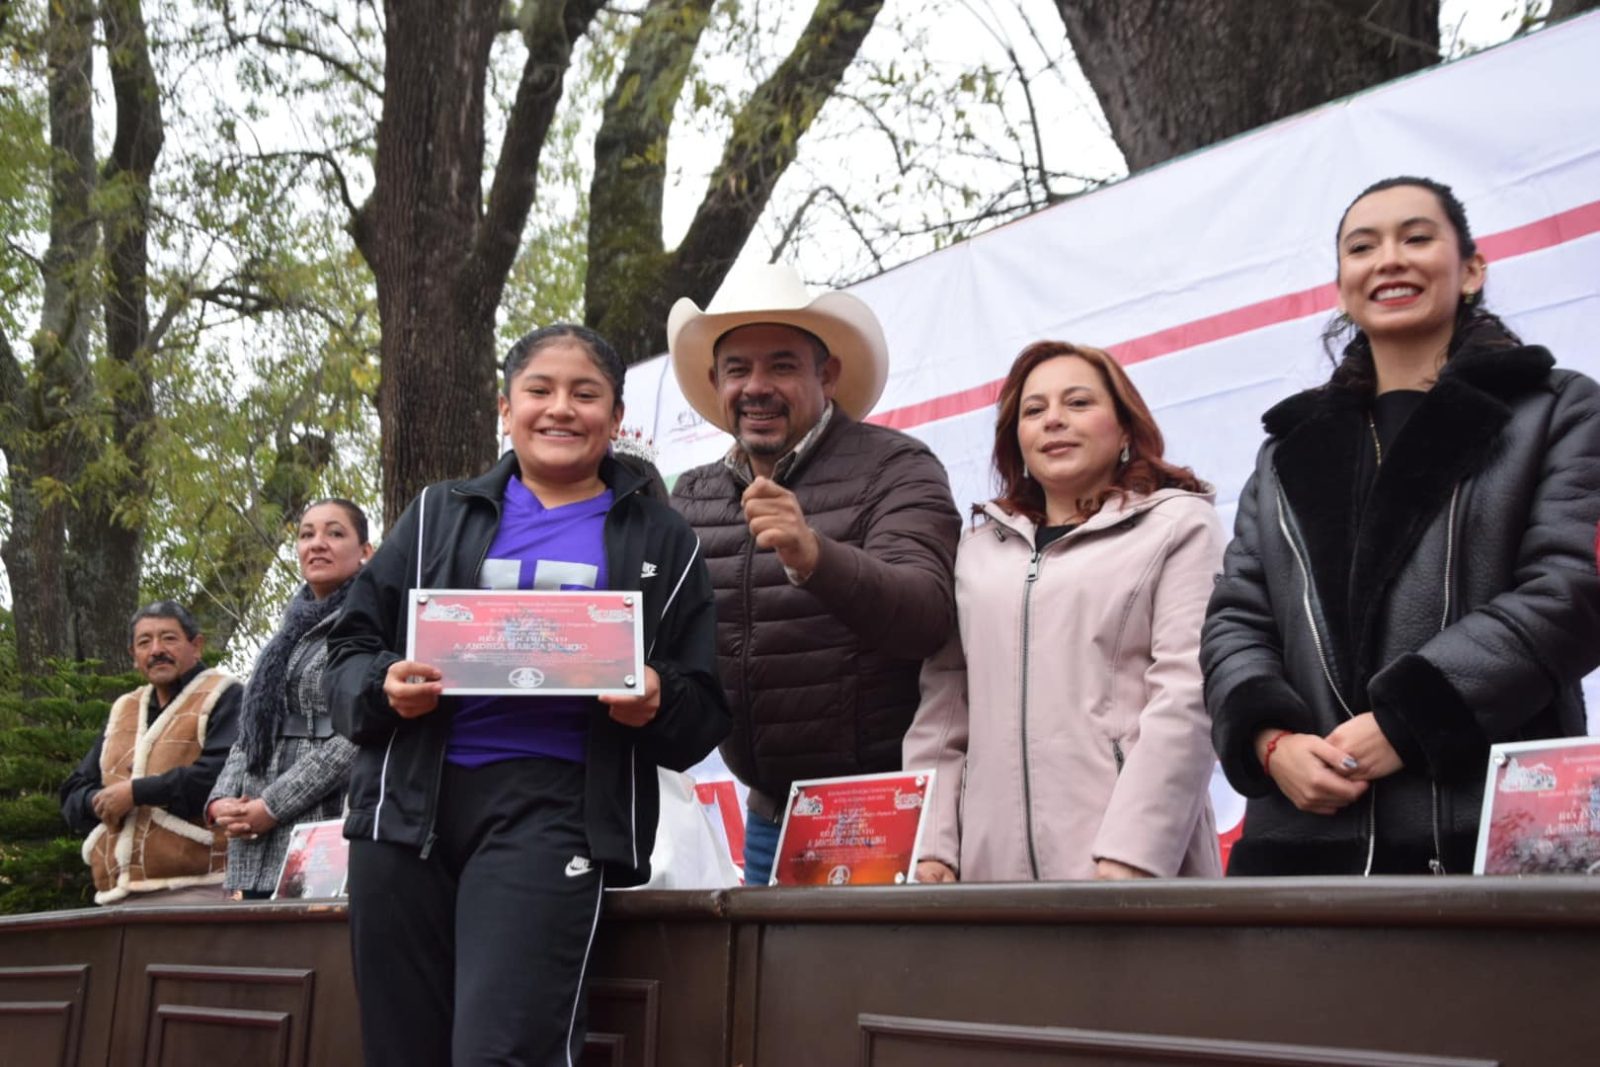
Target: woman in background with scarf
[(288, 765)]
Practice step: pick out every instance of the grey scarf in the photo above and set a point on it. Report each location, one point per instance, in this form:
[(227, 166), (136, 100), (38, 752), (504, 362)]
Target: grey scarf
[(266, 697)]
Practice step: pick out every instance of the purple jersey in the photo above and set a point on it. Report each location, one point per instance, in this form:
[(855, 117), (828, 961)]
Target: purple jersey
[(536, 548)]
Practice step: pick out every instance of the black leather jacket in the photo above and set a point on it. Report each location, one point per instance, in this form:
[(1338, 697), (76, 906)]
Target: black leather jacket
[(1457, 600), (394, 783)]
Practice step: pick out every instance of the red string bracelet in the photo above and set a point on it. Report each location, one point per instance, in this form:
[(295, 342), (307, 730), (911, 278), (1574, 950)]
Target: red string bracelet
[(1272, 746)]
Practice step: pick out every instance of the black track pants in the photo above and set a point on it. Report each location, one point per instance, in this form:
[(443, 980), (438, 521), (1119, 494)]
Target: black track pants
[(478, 954)]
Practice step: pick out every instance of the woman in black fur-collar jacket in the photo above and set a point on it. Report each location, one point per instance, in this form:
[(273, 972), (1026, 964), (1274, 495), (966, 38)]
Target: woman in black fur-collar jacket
[(1412, 575)]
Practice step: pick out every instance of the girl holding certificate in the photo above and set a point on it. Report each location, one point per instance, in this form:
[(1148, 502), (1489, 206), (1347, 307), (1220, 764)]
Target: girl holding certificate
[(1065, 718), (483, 829), (288, 765), (1411, 577)]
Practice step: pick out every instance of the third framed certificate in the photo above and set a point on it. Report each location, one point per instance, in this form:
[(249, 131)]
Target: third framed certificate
[(1541, 808)]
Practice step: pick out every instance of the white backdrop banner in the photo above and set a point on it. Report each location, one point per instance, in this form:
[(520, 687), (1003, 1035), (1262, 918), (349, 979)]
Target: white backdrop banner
[(1211, 277)]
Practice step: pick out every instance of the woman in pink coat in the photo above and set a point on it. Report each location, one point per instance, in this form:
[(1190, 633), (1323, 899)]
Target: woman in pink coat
[(1065, 718)]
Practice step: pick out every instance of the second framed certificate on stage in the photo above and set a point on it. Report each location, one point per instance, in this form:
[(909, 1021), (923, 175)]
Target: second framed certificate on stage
[(525, 643), (860, 830)]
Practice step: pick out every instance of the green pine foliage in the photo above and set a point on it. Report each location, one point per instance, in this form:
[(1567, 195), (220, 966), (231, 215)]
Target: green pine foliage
[(42, 738)]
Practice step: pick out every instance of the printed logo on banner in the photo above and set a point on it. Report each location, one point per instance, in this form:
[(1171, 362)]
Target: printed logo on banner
[(689, 427)]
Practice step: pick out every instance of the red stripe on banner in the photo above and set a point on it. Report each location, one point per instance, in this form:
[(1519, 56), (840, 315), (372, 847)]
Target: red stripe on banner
[(1532, 237), (1543, 233), (1228, 324), (940, 407)]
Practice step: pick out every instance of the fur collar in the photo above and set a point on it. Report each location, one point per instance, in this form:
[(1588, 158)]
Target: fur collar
[(1356, 551), (1501, 372)]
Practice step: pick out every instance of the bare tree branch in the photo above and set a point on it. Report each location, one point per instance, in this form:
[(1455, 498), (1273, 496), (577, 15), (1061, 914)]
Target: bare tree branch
[(327, 159), (848, 214), (793, 225), (278, 44)]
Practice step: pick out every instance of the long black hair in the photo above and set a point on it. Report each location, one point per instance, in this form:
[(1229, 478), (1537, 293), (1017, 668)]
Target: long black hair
[(1353, 367)]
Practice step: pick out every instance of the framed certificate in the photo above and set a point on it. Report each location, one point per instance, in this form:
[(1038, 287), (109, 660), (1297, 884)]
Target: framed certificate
[(860, 830), (1541, 808), (316, 863), (523, 643)]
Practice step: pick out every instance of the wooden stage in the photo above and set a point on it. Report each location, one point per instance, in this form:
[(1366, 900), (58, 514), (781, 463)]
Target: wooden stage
[(1413, 971)]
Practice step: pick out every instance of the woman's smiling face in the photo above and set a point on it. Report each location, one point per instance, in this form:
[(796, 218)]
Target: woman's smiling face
[(561, 413), (1401, 272)]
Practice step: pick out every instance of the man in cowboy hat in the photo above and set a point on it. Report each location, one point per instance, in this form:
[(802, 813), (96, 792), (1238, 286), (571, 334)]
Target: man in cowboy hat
[(831, 542)]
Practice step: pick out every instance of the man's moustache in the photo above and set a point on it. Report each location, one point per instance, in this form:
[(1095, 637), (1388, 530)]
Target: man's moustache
[(153, 660)]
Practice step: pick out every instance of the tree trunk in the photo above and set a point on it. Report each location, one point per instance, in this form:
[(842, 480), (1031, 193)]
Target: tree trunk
[(107, 526), (631, 284), (1565, 9), (1175, 76), (439, 258), (39, 420)]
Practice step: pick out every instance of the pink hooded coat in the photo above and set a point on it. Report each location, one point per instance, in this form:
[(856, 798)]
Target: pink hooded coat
[(1065, 719)]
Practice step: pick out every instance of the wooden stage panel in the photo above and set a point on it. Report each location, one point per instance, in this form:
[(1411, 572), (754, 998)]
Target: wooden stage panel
[(57, 992), (900, 1042), (624, 1020), (1339, 973), (248, 1015)]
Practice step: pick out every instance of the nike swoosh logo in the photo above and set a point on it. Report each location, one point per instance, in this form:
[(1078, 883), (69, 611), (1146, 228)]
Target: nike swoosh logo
[(577, 866)]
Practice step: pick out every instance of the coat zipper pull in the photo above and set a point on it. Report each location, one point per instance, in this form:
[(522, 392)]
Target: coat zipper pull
[(427, 844), (1033, 567)]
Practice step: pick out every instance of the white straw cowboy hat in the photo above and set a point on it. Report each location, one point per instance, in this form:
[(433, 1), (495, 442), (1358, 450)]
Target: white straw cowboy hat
[(774, 293)]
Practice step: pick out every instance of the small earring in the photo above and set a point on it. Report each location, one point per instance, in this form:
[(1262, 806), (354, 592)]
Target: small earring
[(1124, 451), (1469, 296), (1026, 473)]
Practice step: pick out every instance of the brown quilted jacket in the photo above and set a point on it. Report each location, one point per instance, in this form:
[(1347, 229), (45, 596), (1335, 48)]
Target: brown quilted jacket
[(822, 678)]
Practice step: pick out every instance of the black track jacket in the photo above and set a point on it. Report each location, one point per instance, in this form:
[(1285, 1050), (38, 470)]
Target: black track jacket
[(444, 535)]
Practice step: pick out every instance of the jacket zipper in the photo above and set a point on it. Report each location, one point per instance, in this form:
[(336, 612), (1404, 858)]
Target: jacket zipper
[(611, 579), (744, 651), (1000, 530), (1027, 785), (432, 836), (1116, 754), (1436, 864), (1327, 673)]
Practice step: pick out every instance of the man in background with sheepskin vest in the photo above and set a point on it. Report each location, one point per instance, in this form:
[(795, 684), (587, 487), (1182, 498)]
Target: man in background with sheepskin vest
[(140, 793)]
